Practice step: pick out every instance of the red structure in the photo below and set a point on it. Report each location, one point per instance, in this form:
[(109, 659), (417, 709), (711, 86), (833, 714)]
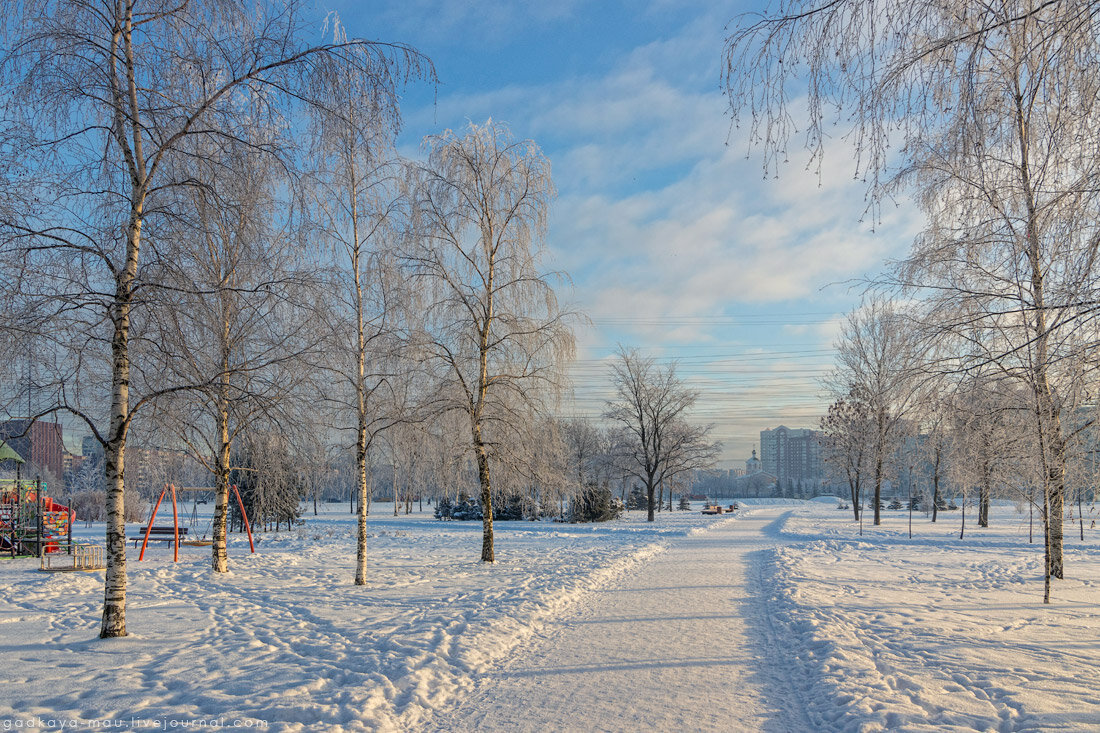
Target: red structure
[(31, 523), (176, 522)]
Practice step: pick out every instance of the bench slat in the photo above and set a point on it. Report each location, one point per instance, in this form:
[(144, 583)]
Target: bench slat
[(160, 534)]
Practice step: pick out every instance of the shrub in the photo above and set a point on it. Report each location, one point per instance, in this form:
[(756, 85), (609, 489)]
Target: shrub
[(596, 504)]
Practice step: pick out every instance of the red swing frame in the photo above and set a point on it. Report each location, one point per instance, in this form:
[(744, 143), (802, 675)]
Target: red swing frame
[(176, 524)]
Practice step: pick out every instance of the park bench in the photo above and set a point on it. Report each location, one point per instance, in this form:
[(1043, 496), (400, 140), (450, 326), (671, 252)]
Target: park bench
[(160, 534), (712, 509)]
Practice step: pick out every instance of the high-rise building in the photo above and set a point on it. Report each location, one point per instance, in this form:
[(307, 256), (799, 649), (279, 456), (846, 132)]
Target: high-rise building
[(39, 444), (791, 454), (91, 448), (71, 466)]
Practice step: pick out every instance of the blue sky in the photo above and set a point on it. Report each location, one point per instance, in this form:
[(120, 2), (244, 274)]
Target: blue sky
[(676, 241)]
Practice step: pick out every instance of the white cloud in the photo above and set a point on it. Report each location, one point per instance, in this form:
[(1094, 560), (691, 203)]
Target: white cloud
[(717, 237), (657, 215)]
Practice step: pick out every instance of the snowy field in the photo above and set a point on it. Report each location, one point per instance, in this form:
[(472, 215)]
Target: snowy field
[(937, 633), (285, 639), (876, 633)]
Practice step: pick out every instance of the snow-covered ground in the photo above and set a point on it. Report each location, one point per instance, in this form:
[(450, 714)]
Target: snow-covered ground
[(286, 639), (841, 632), (938, 633)]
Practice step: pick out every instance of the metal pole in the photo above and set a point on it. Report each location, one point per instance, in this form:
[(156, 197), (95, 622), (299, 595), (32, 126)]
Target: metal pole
[(244, 518), (17, 507), (38, 497), (175, 523), (149, 528), (910, 501)]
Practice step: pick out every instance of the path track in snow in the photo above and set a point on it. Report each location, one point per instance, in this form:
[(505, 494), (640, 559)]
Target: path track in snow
[(685, 643)]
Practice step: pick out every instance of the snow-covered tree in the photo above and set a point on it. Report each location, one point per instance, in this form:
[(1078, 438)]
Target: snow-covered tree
[(241, 330), (846, 445), (112, 95), (360, 197), (652, 404), (493, 325), (991, 113), (878, 364)]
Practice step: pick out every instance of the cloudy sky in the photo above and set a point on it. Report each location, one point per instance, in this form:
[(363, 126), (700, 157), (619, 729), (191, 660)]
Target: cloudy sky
[(676, 241)]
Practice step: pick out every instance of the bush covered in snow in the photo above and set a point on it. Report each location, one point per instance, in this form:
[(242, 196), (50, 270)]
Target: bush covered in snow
[(596, 504), (637, 499), (465, 508)]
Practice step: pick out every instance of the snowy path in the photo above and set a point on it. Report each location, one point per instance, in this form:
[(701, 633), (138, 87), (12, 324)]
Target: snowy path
[(684, 645)]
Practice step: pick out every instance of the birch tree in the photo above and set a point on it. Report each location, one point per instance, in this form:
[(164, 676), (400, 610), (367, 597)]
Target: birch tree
[(360, 199), (548, 478), (451, 456), (242, 327), (114, 92), (847, 445), (877, 359), (934, 415), (583, 441), (371, 336), (494, 327), (994, 447), (991, 113), (532, 467)]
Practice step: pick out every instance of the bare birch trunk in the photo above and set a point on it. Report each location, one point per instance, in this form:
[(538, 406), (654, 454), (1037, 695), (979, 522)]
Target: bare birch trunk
[(396, 491), (114, 596), (488, 553), (361, 481), (125, 101), (1056, 492), (983, 504), (936, 486), (1046, 550), (219, 559), (1054, 478), (1081, 512), (878, 489), (114, 587), (360, 381)]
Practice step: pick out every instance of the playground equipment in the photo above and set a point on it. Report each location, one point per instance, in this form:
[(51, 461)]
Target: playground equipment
[(34, 525), (80, 556), (31, 523), (175, 532)]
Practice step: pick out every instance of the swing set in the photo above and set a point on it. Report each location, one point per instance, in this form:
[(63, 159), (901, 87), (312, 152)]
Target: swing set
[(175, 532)]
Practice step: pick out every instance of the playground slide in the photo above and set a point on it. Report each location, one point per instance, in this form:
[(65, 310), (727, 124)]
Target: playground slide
[(19, 521)]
